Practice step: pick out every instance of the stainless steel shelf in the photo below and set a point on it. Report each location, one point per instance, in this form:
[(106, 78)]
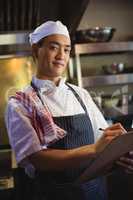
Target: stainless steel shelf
[(124, 112), (92, 81), (100, 48), (14, 44), (104, 47)]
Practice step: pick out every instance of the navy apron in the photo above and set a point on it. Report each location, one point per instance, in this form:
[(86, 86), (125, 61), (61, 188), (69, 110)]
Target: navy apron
[(59, 185)]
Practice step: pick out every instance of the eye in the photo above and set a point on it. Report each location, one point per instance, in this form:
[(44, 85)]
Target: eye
[(54, 47), (67, 50)]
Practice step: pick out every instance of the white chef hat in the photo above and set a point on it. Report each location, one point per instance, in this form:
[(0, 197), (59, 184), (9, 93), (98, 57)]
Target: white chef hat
[(46, 29)]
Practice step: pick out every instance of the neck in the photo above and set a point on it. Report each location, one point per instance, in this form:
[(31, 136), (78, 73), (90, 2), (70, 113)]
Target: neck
[(53, 79)]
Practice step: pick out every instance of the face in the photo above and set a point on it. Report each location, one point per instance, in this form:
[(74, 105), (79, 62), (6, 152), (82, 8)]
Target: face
[(53, 56)]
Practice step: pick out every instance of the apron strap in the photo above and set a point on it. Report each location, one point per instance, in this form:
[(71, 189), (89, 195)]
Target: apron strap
[(78, 98)]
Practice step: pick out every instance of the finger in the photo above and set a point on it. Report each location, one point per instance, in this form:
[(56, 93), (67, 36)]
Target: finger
[(116, 126), (110, 138), (116, 132), (113, 126)]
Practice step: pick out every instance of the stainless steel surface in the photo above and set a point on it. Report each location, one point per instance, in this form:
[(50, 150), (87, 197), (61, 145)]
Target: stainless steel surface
[(15, 73), (110, 47), (16, 68), (79, 71), (92, 81), (15, 44), (15, 50), (119, 112), (95, 34), (14, 38)]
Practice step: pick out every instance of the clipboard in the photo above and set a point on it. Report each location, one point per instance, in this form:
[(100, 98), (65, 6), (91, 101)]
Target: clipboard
[(113, 151)]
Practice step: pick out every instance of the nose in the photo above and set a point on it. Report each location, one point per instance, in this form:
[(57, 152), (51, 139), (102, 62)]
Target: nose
[(60, 53)]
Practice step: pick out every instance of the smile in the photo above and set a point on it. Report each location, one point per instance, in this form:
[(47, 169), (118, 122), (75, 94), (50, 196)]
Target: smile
[(62, 63)]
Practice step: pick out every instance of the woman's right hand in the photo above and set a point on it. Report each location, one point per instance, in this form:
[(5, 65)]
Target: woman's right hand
[(108, 135)]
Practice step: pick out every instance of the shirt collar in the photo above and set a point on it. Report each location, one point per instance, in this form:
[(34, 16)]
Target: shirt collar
[(47, 86)]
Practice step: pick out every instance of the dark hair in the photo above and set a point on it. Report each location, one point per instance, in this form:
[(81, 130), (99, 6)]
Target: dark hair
[(40, 43)]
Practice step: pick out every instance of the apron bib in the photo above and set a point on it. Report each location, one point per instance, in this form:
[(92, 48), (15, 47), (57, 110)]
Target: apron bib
[(59, 185)]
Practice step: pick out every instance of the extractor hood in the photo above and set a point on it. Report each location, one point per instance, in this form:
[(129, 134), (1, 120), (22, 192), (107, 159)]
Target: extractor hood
[(18, 18), (25, 15)]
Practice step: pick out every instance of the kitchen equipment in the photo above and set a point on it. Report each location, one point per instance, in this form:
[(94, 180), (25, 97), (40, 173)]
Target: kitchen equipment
[(114, 68), (96, 34), (109, 102)]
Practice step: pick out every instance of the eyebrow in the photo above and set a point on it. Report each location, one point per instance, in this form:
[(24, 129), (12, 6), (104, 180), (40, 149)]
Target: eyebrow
[(57, 43)]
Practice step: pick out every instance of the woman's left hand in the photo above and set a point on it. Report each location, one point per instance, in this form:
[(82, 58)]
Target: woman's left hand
[(126, 162)]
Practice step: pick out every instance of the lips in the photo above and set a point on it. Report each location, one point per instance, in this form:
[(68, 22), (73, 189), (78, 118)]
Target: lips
[(60, 62)]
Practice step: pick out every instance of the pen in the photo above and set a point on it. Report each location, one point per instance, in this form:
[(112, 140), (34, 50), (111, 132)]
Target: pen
[(101, 129)]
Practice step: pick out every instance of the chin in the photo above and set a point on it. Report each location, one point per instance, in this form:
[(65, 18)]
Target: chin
[(58, 73)]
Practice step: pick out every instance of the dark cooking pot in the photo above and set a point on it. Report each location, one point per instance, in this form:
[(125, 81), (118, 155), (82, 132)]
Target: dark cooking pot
[(96, 34)]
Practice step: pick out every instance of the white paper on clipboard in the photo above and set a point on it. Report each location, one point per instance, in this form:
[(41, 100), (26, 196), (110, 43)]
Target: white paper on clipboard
[(114, 150)]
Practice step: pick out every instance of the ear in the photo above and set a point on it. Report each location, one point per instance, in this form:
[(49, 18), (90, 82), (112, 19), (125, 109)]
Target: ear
[(35, 51)]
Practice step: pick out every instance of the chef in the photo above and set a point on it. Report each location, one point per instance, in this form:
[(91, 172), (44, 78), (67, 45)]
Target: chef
[(53, 126)]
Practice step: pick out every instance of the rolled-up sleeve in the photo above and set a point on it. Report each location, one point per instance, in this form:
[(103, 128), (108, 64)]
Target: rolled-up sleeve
[(22, 135)]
